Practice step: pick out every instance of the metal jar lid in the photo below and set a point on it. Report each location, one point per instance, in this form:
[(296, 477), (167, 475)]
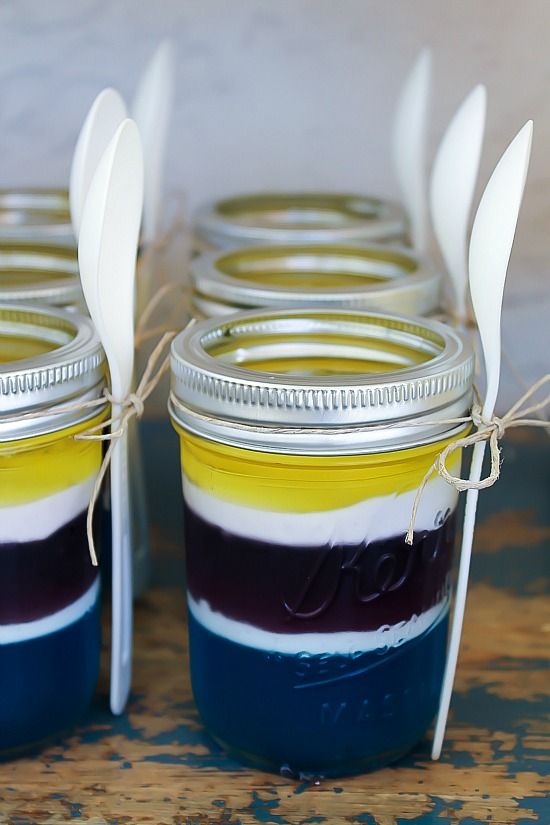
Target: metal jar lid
[(36, 214), (320, 381), (387, 278), (48, 358), (39, 273), (289, 218)]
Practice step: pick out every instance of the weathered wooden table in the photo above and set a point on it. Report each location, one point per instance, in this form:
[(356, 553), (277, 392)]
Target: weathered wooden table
[(155, 764)]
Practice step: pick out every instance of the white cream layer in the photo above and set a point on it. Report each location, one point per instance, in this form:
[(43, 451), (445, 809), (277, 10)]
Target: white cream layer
[(25, 631), (341, 642), (371, 519), (38, 519)]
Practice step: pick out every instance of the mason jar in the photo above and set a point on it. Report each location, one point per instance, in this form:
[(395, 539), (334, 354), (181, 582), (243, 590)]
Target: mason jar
[(36, 214), (298, 217), (332, 276), (33, 271), (49, 590), (40, 273), (317, 636)]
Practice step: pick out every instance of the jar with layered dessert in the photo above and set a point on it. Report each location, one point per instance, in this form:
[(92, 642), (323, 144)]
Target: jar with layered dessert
[(39, 265), (298, 218), (332, 276), (317, 634), (50, 361)]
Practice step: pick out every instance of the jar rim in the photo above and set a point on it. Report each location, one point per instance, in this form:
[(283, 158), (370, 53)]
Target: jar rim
[(51, 274), (69, 367), (36, 212), (407, 376), (294, 217), (373, 276)]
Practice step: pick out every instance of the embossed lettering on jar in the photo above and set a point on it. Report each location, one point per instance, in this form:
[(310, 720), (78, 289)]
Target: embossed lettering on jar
[(317, 635), (49, 590)]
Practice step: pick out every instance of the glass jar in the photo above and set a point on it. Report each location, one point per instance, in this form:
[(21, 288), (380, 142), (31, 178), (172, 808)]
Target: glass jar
[(36, 214), (298, 217), (34, 269), (49, 590), (330, 276), (40, 273), (317, 635)]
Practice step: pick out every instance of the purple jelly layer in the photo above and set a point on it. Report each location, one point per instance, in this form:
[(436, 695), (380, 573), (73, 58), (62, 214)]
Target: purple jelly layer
[(289, 589), (38, 578)]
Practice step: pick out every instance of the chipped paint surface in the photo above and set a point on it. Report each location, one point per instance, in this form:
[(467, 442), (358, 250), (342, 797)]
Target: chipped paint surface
[(155, 764)]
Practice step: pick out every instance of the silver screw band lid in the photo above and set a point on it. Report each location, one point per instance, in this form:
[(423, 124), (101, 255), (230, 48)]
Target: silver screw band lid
[(37, 214), (50, 358), (320, 380), (388, 278), (316, 217), (39, 273)]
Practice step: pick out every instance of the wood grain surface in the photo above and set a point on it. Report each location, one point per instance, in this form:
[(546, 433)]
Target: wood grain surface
[(155, 764)]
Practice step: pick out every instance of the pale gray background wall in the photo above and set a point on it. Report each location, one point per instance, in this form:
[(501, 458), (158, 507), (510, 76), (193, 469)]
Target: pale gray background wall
[(290, 93)]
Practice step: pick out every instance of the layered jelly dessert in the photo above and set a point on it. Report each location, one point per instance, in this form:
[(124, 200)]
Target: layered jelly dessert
[(317, 635), (49, 590), (50, 363)]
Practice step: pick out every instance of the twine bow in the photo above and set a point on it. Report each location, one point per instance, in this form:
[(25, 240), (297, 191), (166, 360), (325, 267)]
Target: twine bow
[(491, 430), (131, 407)]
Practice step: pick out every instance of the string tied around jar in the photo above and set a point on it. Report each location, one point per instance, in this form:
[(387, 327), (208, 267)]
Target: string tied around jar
[(130, 407), (491, 430)]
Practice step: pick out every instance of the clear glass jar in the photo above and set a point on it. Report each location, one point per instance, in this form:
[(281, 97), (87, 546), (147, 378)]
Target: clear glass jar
[(388, 278), (317, 635), (39, 265), (49, 590), (298, 217)]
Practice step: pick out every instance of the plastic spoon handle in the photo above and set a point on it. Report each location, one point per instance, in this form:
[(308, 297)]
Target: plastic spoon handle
[(121, 643), (409, 146), (452, 188), (490, 248), (107, 255), (151, 110), (103, 119)]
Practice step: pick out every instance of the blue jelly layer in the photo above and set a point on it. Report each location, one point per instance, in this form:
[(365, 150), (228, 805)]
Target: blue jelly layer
[(322, 715), (47, 683)]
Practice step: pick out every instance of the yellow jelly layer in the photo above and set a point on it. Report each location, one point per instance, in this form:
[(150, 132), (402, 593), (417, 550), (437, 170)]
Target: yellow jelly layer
[(301, 484), (15, 348), (349, 356), (33, 468), (282, 278), (31, 277), (299, 209), (290, 267)]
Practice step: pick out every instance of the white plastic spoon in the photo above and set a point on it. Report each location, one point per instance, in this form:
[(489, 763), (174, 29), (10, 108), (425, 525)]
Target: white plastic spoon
[(107, 257), (452, 188), (103, 119), (490, 248), (151, 109), (410, 131)]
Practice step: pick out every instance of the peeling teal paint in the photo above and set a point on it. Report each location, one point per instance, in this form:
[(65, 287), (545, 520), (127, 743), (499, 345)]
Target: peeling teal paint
[(262, 810)]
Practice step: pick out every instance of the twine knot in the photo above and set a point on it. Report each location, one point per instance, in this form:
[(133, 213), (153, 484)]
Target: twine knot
[(491, 430), (487, 424), (136, 403), (115, 427)]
